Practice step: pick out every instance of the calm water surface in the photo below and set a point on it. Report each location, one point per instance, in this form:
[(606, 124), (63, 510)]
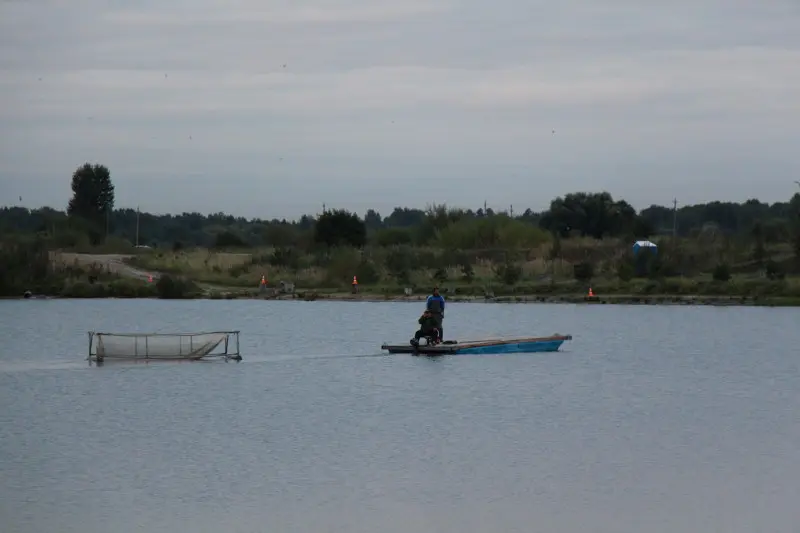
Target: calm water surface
[(653, 419)]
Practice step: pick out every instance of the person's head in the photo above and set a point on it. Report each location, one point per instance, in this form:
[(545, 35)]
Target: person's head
[(436, 291)]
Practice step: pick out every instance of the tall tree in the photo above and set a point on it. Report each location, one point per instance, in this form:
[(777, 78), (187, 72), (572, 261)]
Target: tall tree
[(373, 220), (590, 214), (794, 214), (339, 227), (92, 193)]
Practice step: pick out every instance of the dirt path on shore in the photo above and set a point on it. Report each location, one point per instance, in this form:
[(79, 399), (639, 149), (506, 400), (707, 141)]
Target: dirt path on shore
[(117, 264), (112, 262)]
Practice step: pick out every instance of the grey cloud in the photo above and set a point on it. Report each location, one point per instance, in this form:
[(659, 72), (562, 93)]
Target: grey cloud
[(379, 101)]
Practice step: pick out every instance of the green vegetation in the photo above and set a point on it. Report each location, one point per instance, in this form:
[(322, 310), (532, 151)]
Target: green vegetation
[(27, 265), (749, 250), (92, 200)]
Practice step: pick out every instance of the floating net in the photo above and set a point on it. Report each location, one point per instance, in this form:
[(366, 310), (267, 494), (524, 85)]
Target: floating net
[(160, 345)]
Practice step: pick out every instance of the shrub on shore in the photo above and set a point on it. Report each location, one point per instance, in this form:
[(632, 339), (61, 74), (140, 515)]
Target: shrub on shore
[(118, 288)]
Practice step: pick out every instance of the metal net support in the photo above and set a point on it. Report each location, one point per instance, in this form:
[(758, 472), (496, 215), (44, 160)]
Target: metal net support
[(162, 345)]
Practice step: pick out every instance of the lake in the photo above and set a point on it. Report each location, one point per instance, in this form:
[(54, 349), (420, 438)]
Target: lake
[(653, 419)]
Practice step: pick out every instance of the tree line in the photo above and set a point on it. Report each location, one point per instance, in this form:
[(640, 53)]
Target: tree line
[(437, 242), (91, 219)]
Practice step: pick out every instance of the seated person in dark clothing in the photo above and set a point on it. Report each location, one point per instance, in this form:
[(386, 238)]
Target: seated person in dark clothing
[(427, 328)]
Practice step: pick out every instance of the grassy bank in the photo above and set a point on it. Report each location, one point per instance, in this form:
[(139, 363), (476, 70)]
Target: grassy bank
[(665, 292), (495, 276), (679, 275)]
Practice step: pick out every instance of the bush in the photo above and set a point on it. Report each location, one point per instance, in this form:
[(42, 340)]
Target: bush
[(393, 237), (490, 232), (467, 272), (644, 263), (583, 271), (398, 264), (175, 288), (83, 289), (239, 270), (228, 239), (367, 272), (774, 271), (24, 265), (130, 288), (625, 271), (509, 273), (342, 265), (722, 272), (285, 257), (340, 228)]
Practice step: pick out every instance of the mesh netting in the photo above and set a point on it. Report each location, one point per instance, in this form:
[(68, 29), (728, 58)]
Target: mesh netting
[(158, 346)]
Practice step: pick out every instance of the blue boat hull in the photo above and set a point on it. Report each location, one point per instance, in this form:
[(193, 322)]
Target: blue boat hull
[(486, 347), (520, 347)]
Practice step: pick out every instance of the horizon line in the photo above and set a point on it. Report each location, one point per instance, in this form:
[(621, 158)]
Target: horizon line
[(325, 207)]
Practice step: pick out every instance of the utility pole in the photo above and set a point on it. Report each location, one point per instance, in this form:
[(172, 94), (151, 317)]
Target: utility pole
[(675, 230), (137, 226), (674, 218), (511, 210)]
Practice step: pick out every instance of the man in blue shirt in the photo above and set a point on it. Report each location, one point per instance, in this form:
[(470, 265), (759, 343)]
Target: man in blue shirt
[(435, 305)]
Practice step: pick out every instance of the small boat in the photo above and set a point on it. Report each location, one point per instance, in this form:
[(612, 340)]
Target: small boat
[(485, 347)]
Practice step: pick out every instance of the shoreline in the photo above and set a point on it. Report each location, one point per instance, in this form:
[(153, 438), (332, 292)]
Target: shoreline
[(618, 299), (613, 299)]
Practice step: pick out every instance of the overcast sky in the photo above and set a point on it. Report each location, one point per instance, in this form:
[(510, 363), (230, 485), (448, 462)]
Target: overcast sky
[(271, 108)]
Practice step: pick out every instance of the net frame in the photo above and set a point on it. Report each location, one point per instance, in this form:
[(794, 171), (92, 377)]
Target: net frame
[(164, 346)]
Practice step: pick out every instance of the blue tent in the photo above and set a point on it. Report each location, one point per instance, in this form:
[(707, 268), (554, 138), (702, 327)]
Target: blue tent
[(639, 245)]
